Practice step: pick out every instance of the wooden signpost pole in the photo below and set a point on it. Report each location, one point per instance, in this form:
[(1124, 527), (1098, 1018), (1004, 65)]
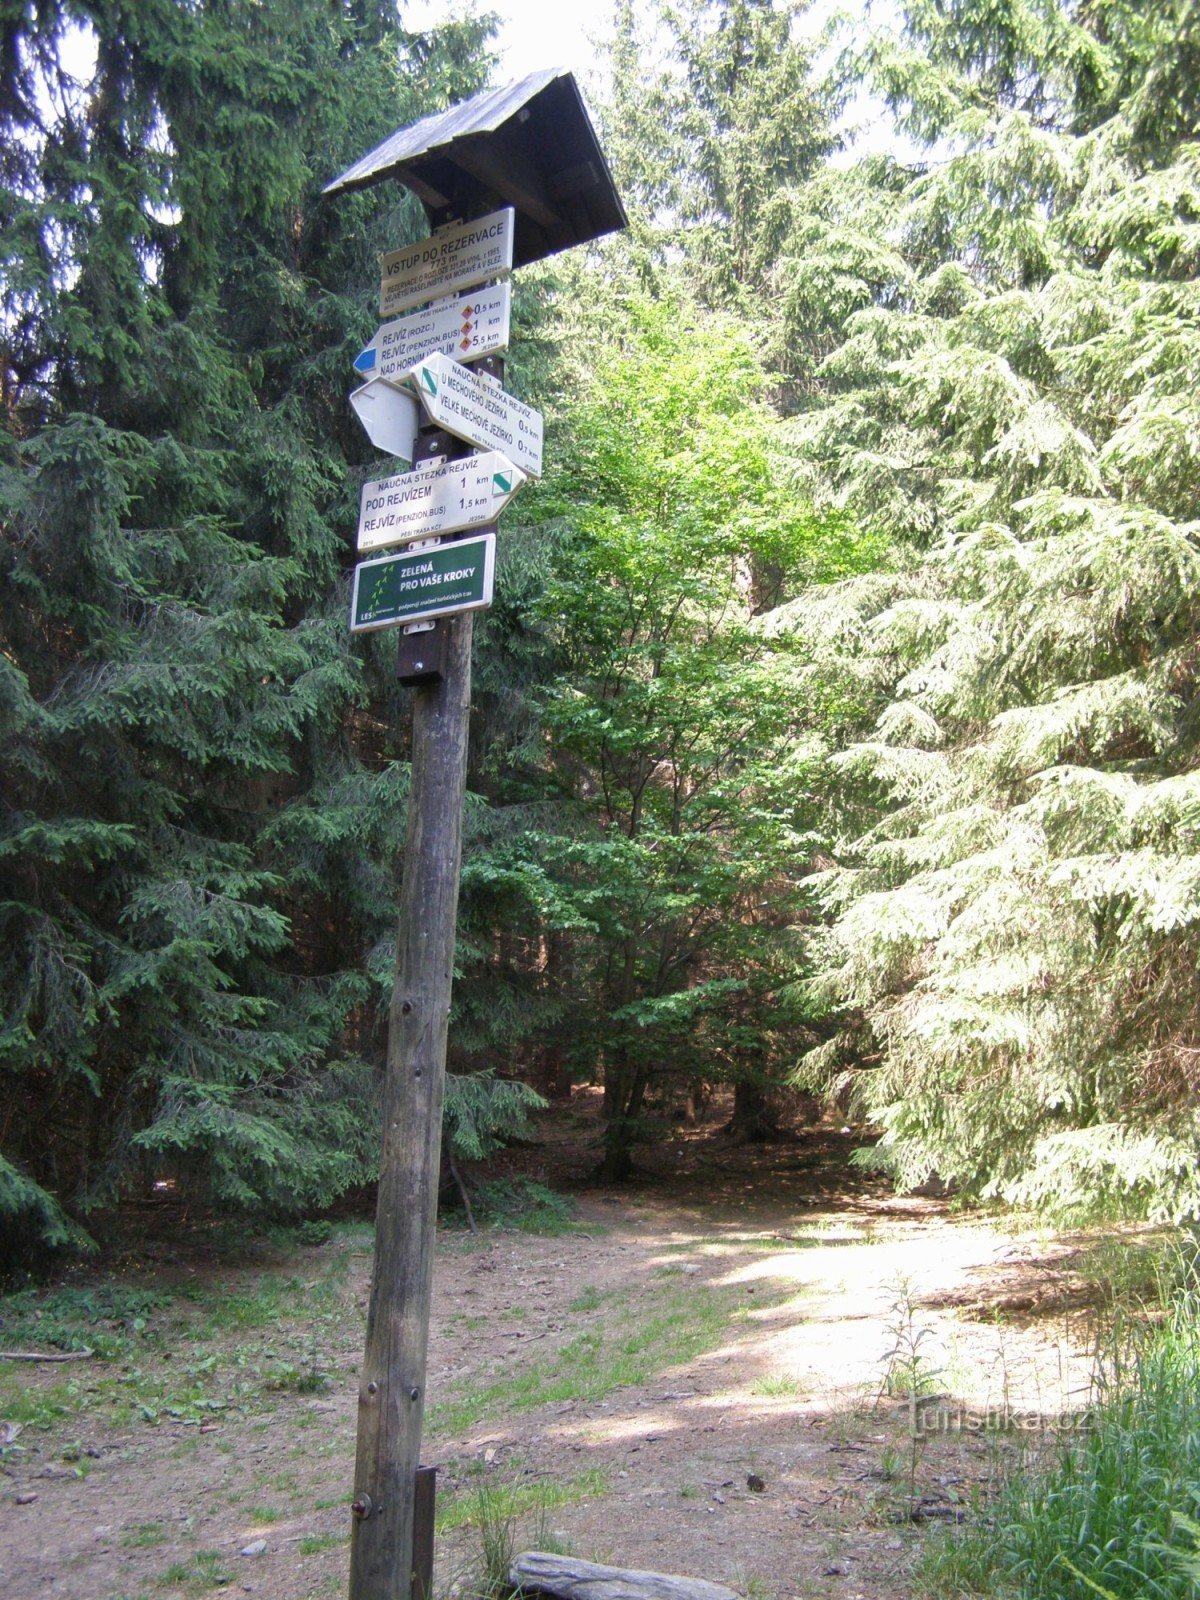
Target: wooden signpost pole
[(384, 1556), (392, 1392), (522, 164)]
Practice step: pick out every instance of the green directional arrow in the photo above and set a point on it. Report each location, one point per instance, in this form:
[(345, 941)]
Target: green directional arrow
[(429, 381)]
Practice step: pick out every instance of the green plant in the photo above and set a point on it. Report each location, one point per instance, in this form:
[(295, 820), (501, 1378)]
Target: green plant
[(1112, 1508), (503, 1499), (267, 1514), (524, 1204), (106, 1318), (776, 1386), (495, 1524), (313, 1543), (309, 1378), (143, 1534), (205, 1570), (907, 1373)]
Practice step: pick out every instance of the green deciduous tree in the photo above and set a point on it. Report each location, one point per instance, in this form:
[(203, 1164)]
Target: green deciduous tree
[(669, 715)]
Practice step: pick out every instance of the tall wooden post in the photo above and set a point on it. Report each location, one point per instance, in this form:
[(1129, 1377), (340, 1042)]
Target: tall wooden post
[(391, 1399), (524, 164)]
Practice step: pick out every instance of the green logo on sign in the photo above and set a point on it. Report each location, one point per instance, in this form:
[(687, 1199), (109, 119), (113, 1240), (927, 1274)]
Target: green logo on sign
[(501, 483), (428, 377)]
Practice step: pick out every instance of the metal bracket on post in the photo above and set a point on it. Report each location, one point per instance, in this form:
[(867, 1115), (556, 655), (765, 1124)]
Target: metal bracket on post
[(421, 647), (424, 1495), (490, 366), (421, 653)]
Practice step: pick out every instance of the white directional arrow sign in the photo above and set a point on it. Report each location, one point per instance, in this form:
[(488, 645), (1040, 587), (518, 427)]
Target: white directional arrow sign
[(468, 493), (480, 412), (456, 258), (389, 415), (474, 326)]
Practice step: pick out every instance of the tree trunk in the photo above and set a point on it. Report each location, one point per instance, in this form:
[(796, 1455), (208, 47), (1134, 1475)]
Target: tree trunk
[(628, 1085), (754, 1120)]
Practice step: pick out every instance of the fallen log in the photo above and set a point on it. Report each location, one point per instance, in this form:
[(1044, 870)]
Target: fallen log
[(46, 1355), (569, 1579)]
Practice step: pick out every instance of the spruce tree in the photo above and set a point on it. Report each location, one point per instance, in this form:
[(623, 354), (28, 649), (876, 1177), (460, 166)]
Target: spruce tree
[(1008, 392), (177, 487)]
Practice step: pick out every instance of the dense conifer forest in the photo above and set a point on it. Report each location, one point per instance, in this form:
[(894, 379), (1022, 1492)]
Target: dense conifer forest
[(835, 724)]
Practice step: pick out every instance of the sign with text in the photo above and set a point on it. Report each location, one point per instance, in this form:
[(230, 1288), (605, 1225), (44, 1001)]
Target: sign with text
[(455, 258), (462, 494), (480, 412), (418, 585), (475, 325)]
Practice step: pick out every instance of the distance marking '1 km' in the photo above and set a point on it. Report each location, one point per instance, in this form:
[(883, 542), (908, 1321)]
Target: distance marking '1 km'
[(479, 411), (468, 493), (456, 258), (475, 325), (417, 585)]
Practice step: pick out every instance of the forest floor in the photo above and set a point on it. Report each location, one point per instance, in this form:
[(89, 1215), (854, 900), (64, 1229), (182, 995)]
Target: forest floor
[(715, 1370)]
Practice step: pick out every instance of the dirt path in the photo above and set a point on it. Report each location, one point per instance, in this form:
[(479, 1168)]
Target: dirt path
[(697, 1382)]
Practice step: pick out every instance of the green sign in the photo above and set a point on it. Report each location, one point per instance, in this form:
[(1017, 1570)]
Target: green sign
[(418, 584)]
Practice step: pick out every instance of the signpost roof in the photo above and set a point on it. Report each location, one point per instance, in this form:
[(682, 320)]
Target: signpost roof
[(529, 144)]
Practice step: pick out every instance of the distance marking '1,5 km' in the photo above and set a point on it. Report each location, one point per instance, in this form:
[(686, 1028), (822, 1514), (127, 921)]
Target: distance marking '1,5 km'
[(462, 494)]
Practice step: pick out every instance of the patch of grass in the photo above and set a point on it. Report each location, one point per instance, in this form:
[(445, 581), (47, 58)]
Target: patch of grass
[(752, 1586), (142, 1535), (665, 1325), (496, 1509), (497, 1531), (1114, 1509), (776, 1386), (261, 1307), (205, 1570), (106, 1318), (313, 1543), (38, 1408), (587, 1299), (264, 1515), (308, 1378), (512, 1500)]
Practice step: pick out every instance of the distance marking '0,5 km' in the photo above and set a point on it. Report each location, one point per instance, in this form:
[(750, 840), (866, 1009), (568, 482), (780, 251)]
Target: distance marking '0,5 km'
[(478, 410), (474, 325)]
